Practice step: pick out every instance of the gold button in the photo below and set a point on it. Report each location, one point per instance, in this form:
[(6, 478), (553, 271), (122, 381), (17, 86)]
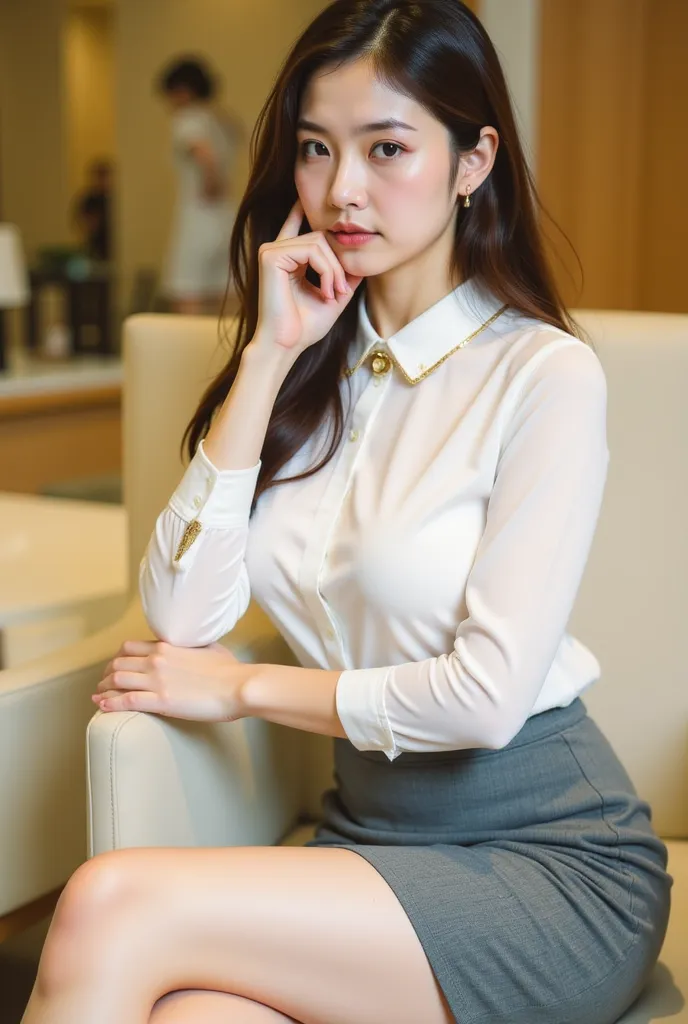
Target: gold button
[(353, 435), (380, 363)]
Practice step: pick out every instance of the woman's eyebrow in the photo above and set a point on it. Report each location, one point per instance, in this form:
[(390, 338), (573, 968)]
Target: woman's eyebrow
[(364, 129)]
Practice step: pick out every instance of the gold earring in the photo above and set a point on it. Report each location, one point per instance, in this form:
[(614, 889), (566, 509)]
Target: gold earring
[(467, 199)]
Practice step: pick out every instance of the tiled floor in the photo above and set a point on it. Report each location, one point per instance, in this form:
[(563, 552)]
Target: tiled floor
[(18, 961)]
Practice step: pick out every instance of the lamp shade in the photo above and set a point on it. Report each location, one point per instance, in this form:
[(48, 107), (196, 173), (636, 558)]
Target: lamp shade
[(14, 284)]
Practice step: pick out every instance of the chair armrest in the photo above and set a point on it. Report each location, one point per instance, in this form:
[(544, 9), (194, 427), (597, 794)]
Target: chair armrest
[(44, 710), (163, 782)]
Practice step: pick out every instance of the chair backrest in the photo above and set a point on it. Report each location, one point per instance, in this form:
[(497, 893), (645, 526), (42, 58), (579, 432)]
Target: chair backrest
[(168, 362), (635, 589), (634, 594)]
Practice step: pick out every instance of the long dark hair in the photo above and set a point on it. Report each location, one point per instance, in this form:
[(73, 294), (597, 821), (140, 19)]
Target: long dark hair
[(437, 52)]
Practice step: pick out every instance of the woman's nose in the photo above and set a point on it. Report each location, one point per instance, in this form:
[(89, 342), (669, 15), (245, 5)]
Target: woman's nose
[(348, 186)]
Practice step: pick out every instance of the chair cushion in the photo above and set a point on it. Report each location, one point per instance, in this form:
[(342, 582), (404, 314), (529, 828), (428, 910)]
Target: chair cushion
[(664, 998)]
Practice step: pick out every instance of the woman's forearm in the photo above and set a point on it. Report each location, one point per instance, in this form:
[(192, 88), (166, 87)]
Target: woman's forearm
[(235, 439), (303, 698), (193, 581)]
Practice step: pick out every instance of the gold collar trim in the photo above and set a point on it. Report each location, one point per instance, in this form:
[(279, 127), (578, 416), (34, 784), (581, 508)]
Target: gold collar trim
[(382, 361)]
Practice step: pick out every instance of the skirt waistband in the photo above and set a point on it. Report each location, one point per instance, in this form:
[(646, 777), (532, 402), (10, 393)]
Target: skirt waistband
[(537, 727)]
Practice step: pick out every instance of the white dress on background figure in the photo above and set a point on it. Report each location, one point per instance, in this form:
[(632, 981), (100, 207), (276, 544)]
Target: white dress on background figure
[(198, 257)]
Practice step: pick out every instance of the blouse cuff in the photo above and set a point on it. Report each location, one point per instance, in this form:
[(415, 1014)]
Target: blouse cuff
[(219, 499), (360, 698)]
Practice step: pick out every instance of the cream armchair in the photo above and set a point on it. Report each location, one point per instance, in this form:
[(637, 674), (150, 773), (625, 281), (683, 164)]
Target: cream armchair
[(44, 703), (155, 782)]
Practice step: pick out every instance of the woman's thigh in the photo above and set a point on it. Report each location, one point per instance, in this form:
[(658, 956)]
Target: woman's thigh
[(314, 933)]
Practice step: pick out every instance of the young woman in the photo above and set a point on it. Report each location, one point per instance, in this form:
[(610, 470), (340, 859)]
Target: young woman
[(404, 462), (204, 141)]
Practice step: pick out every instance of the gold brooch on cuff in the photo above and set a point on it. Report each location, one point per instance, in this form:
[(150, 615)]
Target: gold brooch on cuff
[(190, 533)]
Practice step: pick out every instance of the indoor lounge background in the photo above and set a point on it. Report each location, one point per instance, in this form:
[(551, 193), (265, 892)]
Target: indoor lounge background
[(601, 94)]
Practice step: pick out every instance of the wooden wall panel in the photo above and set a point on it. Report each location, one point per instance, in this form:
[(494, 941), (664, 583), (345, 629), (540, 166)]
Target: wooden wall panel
[(664, 165), (590, 148), (613, 148)]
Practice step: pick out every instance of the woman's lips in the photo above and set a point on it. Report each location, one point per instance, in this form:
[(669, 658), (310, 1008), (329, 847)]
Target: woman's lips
[(354, 238)]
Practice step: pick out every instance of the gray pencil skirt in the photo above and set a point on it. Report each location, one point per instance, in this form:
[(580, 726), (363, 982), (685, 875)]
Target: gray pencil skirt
[(531, 874)]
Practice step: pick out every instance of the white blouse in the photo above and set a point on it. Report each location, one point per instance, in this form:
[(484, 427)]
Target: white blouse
[(436, 558)]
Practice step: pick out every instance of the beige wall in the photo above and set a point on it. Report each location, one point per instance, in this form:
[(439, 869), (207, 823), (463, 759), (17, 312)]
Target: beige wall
[(33, 164), (514, 28), (89, 90), (245, 40)]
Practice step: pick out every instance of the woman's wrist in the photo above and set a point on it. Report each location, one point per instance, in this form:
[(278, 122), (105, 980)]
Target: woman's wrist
[(251, 690), (263, 356), (237, 434), (302, 698)]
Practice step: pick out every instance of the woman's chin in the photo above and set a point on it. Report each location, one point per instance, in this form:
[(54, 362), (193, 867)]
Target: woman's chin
[(363, 264)]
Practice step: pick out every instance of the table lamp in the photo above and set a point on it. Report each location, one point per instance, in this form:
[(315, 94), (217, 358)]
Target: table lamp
[(14, 283)]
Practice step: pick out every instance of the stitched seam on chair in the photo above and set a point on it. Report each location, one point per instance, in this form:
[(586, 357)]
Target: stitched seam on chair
[(89, 784), (113, 787)]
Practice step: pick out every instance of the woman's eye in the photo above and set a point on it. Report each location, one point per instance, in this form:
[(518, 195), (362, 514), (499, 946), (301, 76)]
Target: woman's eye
[(313, 148), (388, 150)]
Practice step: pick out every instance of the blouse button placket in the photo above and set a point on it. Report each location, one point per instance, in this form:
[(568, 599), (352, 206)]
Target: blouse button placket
[(315, 566)]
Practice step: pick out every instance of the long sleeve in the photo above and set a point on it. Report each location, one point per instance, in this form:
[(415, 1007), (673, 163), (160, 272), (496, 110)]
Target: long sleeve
[(541, 519), (193, 581)]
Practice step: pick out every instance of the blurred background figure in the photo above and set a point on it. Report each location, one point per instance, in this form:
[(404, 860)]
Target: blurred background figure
[(93, 212), (204, 140)]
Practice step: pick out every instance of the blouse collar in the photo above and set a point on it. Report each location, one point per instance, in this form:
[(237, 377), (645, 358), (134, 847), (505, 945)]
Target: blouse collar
[(426, 342)]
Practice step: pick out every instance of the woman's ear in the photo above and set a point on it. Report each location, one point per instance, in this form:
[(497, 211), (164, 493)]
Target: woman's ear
[(475, 166)]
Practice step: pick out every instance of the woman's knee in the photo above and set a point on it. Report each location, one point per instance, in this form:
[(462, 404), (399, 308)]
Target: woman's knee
[(99, 897), (100, 888)]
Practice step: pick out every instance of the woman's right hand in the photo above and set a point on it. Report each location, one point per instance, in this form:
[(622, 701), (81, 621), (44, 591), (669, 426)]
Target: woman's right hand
[(292, 313)]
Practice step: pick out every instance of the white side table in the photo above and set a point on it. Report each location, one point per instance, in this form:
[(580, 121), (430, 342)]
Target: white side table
[(63, 572)]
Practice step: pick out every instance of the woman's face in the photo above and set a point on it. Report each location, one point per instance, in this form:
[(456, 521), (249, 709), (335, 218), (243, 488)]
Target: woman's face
[(180, 97), (373, 158)]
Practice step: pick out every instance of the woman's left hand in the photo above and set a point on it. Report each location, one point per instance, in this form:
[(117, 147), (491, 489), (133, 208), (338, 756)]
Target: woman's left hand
[(202, 684)]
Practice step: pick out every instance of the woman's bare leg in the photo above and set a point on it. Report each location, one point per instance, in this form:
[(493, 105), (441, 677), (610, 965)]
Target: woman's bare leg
[(214, 1008), (313, 933)]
